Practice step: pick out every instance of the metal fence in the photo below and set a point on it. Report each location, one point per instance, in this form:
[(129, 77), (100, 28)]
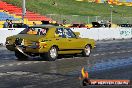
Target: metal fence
[(70, 19), (88, 19)]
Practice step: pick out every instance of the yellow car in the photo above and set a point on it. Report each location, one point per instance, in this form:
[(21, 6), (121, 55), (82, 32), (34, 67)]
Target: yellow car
[(48, 42)]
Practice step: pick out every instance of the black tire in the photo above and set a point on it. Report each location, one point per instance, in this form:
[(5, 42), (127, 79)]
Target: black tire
[(20, 56), (51, 55), (86, 51)]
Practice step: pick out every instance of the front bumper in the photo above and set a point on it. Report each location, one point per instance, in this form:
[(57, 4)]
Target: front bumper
[(10, 47)]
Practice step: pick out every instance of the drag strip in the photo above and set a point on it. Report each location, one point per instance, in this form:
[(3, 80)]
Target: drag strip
[(109, 60)]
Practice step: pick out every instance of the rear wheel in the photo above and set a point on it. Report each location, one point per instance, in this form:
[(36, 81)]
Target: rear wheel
[(87, 50), (51, 55), (20, 56)]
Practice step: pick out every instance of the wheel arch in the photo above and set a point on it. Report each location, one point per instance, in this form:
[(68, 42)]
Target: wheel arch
[(55, 46), (89, 45)]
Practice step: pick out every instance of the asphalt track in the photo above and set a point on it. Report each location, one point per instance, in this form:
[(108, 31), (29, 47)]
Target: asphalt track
[(109, 60)]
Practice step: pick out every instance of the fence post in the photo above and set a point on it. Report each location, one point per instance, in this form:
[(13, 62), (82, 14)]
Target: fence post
[(88, 20)]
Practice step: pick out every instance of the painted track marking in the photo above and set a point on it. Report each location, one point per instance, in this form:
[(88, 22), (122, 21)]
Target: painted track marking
[(34, 62), (19, 63), (2, 65)]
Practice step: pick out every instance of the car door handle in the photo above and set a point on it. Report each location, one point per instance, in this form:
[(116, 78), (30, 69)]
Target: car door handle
[(69, 40), (57, 39)]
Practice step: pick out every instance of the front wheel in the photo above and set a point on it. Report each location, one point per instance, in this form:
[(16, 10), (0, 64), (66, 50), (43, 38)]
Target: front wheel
[(87, 50), (51, 55)]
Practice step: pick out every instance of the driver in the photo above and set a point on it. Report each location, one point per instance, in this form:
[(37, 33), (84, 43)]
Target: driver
[(43, 31)]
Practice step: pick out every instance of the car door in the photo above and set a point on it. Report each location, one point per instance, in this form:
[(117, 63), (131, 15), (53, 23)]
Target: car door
[(62, 41), (74, 43)]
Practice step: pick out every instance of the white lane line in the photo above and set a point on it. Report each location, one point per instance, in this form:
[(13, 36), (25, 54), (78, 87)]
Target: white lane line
[(10, 64), (61, 59), (27, 63), (118, 48), (112, 52), (17, 73), (123, 51), (129, 51), (96, 55), (36, 62), (19, 63), (68, 58), (118, 52), (102, 54), (2, 66), (43, 61), (76, 57)]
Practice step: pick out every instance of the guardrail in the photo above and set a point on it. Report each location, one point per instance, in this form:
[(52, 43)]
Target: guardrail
[(94, 33)]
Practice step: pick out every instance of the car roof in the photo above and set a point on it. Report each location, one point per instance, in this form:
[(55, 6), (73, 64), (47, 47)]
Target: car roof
[(47, 26)]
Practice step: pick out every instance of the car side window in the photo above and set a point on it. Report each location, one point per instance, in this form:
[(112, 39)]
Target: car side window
[(65, 33), (60, 32), (42, 31), (69, 33)]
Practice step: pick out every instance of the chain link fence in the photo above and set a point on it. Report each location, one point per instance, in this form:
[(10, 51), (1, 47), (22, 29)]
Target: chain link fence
[(73, 19), (70, 19)]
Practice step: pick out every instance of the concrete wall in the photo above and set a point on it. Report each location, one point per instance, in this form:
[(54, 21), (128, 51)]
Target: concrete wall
[(104, 33), (94, 33), (6, 32)]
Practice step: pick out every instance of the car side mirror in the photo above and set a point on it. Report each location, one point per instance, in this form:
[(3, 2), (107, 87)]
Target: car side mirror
[(77, 34)]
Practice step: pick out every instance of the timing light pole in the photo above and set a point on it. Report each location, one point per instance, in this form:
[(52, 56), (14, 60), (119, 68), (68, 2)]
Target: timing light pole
[(23, 10)]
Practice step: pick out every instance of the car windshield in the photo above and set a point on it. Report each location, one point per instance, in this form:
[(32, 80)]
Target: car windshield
[(35, 31)]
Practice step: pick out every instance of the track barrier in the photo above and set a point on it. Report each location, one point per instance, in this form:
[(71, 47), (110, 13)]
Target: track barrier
[(94, 33)]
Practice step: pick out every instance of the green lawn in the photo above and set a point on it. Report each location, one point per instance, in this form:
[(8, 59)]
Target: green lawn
[(72, 7)]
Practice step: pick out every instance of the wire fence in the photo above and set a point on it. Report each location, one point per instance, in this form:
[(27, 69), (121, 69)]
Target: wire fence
[(72, 19), (89, 19)]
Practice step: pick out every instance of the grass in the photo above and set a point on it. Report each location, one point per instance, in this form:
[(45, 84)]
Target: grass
[(72, 7)]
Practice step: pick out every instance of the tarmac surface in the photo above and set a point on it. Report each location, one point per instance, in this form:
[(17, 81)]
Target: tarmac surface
[(109, 60)]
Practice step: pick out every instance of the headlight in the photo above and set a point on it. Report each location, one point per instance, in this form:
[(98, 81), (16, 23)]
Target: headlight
[(7, 42), (22, 43)]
